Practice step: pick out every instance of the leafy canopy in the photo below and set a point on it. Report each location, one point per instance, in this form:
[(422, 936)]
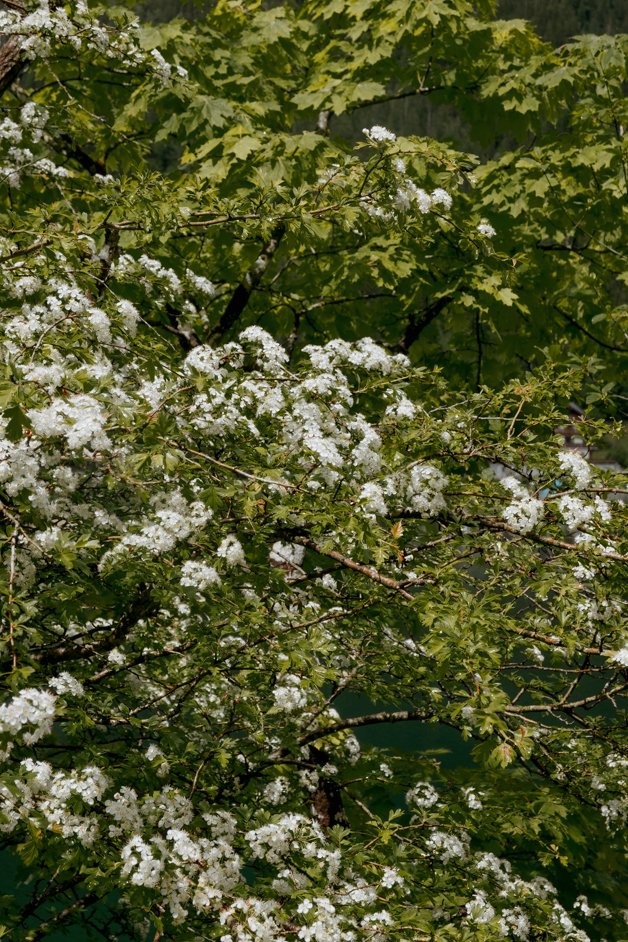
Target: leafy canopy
[(280, 466)]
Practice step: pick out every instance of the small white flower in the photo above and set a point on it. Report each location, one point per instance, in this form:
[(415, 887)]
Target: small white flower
[(202, 285), (287, 554), (116, 657), (447, 845), (391, 877), (231, 551), (574, 511), (372, 499), (525, 511), (473, 801), (65, 683), (198, 575), (276, 791), (485, 229), (162, 68), (379, 134), (423, 795), (31, 707), (289, 696), (441, 197)]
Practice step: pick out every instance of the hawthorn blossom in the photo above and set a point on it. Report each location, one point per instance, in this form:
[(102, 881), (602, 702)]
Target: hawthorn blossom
[(577, 467), (30, 708), (485, 229), (524, 513), (288, 695), (379, 134)]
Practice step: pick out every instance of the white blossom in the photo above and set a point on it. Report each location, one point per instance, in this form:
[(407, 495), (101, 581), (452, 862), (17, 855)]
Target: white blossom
[(479, 910), (574, 511), (81, 419), (472, 799), (524, 513), (201, 284), (447, 845), (287, 554), (577, 467), (441, 197), (199, 575), (31, 708), (391, 877), (423, 795), (231, 551), (621, 657), (276, 791), (288, 695), (372, 497), (379, 134), (66, 684), (485, 229)]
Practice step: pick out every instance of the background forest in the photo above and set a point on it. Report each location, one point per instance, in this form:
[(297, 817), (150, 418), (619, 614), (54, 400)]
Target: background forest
[(555, 22)]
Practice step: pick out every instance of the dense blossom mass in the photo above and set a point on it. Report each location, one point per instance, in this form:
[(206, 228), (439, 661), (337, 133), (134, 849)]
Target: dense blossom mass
[(239, 550)]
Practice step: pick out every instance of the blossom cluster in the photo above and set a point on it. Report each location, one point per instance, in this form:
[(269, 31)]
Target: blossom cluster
[(525, 511)]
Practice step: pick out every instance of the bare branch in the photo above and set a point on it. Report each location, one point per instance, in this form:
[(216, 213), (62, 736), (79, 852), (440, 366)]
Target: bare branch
[(398, 96), (494, 523), (186, 335), (566, 706)]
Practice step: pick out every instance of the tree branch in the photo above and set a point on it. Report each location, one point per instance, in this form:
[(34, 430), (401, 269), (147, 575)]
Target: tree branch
[(186, 335), (371, 719), (494, 523), (567, 707), (587, 333), (348, 563), (418, 322), (412, 93), (237, 471), (59, 918), (74, 151), (241, 295), (478, 341)]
